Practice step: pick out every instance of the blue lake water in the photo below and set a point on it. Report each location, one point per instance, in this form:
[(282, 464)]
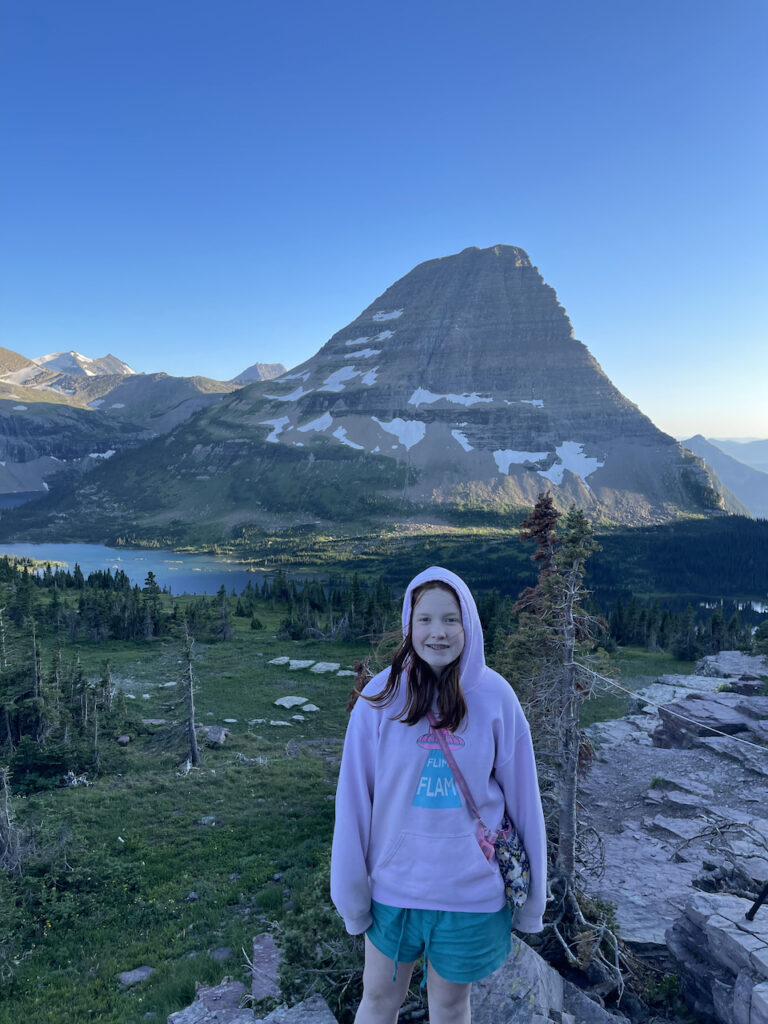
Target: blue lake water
[(181, 573)]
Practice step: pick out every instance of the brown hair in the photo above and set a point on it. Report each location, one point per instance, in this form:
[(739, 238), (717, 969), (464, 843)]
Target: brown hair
[(421, 681)]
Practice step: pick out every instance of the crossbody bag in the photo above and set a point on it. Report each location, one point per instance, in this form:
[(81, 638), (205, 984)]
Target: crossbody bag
[(508, 846)]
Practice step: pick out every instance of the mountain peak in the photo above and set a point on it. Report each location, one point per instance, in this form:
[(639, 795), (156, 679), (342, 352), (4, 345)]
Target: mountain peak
[(78, 365)]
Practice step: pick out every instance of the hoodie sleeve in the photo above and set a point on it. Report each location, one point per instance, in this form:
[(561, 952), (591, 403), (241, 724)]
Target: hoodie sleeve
[(519, 783), (350, 885)]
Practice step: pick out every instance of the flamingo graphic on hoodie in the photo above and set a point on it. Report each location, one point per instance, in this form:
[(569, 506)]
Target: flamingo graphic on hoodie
[(403, 835)]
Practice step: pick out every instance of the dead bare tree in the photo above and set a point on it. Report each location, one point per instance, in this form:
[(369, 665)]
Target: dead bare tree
[(541, 657), (10, 836), (194, 754)]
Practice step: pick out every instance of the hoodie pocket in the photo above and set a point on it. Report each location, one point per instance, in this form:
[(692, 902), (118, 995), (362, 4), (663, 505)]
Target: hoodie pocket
[(429, 867)]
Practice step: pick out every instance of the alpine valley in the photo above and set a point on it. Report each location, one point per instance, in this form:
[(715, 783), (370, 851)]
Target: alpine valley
[(63, 413), (460, 388)]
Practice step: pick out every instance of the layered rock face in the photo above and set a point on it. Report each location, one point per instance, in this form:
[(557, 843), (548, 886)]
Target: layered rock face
[(462, 384), (467, 371)]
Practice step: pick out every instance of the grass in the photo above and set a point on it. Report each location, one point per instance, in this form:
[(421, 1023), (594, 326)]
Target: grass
[(633, 668), (149, 866)]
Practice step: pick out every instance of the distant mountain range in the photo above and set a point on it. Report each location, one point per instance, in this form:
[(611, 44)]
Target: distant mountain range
[(64, 412), (748, 483), (751, 453), (461, 387)]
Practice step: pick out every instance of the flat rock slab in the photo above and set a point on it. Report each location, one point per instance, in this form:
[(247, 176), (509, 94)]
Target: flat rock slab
[(325, 666), (648, 888), (279, 661), (311, 1011), (733, 664), (264, 972), (755, 760), (296, 663), (217, 1005), (290, 702)]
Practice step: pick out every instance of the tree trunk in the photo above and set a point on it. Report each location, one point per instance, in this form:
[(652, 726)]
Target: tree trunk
[(194, 754), (569, 729)]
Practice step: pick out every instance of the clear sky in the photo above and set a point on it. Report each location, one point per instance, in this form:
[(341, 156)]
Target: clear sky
[(198, 185)]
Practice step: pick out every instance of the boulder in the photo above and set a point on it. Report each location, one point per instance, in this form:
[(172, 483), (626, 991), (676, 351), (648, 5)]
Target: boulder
[(526, 990), (128, 978), (699, 714), (722, 957), (732, 664), (124, 740), (215, 735)]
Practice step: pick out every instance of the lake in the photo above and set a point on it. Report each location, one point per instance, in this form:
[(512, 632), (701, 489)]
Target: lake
[(180, 573)]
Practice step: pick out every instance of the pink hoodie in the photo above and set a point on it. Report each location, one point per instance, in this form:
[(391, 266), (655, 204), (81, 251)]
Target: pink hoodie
[(403, 834)]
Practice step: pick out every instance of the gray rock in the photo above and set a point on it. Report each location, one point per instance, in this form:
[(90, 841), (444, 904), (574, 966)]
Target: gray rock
[(759, 1006), (525, 986), (721, 957), (733, 664), (312, 1011), (124, 740), (742, 997), (585, 1010), (215, 735), (128, 978), (754, 760), (217, 1005), (265, 968), (700, 714), (221, 954), (526, 990)]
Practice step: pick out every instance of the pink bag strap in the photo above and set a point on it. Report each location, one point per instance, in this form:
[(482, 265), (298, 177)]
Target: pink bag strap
[(457, 773)]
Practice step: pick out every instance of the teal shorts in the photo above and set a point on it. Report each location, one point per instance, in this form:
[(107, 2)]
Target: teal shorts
[(461, 947)]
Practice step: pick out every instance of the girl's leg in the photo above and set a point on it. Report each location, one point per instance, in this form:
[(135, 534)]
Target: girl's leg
[(382, 997), (448, 1000)]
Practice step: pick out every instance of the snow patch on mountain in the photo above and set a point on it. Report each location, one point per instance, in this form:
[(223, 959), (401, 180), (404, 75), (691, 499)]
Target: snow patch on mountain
[(369, 378), (383, 336), (505, 457), (408, 432), (363, 353), (571, 457), (102, 455), (382, 315), (321, 423), (461, 437), (421, 396), (356, 341), (538, 403), (278, 426), (293, 397), (305, 375), (341, 434), (336, 381)]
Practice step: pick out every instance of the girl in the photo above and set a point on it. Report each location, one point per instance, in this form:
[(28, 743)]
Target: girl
[(407, 868)]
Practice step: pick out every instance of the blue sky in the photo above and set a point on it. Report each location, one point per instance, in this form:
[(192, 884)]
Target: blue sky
[(197, 185)]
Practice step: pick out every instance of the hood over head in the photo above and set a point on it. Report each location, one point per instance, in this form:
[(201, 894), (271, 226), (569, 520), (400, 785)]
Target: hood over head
[(472, 662)]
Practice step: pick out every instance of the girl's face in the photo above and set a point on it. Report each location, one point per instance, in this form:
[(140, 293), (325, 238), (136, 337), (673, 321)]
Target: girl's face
[(437, 634)]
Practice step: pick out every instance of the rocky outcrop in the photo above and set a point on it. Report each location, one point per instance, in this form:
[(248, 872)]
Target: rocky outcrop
[(722, 959), (674, 818)]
